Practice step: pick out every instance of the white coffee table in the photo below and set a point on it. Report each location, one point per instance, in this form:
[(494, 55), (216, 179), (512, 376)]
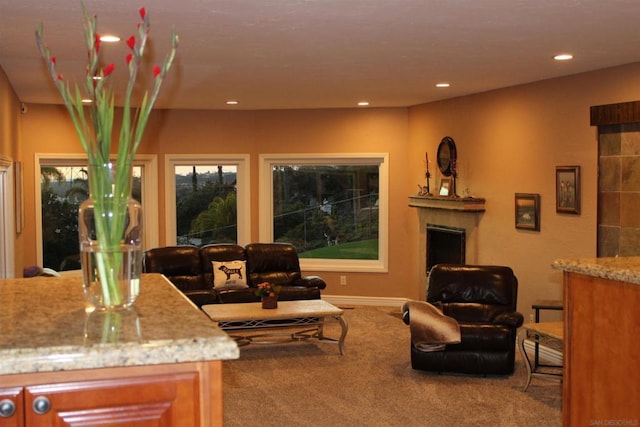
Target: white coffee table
[(308, 315)]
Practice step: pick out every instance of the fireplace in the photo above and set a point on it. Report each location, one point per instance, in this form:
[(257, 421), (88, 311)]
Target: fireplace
[(457, 221), (445, 245)]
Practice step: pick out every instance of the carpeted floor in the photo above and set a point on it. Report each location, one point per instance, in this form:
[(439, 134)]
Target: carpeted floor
[(311, 384)]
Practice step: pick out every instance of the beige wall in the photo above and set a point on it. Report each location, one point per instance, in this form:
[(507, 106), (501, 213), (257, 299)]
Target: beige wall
[(9, 144), (9, 118), (508, 140), (47, 130)]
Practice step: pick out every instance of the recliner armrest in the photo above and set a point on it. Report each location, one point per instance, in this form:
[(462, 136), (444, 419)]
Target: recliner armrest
[(406, 317), (311, 282), (513, 319)]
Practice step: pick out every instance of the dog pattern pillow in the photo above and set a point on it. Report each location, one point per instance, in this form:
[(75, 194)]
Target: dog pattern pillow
[(230, 274)]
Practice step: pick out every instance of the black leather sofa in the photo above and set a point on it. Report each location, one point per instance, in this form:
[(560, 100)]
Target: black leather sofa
[(483, 301), (191, 270)]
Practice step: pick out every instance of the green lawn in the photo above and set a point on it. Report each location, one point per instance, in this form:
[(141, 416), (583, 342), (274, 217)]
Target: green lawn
[(364, 249)]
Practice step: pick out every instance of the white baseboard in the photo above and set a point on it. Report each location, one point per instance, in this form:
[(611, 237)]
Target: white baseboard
[(546, 355)]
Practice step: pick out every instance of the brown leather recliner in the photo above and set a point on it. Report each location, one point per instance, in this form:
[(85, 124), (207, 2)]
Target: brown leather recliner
[(483, 301), (190, 269)]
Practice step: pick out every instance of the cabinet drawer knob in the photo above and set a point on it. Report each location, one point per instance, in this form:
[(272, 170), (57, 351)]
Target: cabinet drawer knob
[(41, 405), (7, 408)]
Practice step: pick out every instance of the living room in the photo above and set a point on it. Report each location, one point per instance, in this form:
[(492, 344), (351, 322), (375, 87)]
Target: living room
[(509, 141)]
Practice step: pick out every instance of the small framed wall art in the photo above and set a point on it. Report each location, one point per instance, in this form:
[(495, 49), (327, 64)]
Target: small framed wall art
[(568, 189), (527, 211)]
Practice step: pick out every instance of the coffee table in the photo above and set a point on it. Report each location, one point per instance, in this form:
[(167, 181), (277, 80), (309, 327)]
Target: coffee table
[(307, 317), (551, 333)]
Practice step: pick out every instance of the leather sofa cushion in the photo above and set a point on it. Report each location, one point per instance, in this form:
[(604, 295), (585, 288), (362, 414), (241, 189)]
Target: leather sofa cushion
[(473, 293), (290, 293), (180, 264), (473, 312), (484, 337), (276, 263)]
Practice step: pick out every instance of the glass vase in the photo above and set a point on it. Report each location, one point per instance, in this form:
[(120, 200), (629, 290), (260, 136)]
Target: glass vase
[(110, 232)]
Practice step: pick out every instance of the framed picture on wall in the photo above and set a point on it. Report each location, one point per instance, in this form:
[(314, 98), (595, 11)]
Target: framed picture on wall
[(445, 187), (527, 211), (568, 189)]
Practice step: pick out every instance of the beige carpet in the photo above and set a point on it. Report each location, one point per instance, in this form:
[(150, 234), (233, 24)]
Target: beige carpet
[(311, 384)]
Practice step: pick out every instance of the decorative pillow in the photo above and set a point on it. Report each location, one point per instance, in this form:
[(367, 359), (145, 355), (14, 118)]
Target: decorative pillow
[(230, 274)]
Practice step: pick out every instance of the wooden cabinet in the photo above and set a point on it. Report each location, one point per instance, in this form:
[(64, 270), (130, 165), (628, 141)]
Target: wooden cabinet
[(187, 394), (12, 407), (601, 351)]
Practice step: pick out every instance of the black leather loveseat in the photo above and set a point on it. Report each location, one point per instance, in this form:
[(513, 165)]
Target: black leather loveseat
[(482, 299), (236, 270)]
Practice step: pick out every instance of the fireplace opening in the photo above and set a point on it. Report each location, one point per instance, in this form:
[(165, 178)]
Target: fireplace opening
[(445, 245)]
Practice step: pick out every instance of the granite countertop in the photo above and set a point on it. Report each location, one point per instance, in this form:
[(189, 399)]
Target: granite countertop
[(47, 325), (624, 269)]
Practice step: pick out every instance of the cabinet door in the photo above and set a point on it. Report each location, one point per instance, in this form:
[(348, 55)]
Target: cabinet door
[(162, 400), (11, 400)]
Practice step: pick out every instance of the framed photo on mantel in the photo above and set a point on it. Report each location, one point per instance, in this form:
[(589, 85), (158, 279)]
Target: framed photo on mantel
[(445, 187), (568, 189)]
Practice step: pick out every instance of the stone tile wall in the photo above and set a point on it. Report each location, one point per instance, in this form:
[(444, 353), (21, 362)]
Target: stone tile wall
[(619, 190)]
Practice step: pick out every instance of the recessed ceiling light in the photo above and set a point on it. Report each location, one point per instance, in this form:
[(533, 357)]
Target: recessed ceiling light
[(563, 57), (443, 84), (232, 102), (109, 39), (363, 104)]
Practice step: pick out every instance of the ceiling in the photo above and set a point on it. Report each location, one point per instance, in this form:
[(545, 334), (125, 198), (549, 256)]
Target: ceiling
[(276, 54)]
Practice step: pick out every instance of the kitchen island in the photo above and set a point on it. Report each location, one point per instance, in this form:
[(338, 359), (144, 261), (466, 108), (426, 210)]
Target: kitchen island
[(601, 384), (61, 362)]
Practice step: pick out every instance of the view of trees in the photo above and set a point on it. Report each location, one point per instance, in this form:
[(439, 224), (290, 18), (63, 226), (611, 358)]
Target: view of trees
[(62, 190), (206, 207), (315, 207)]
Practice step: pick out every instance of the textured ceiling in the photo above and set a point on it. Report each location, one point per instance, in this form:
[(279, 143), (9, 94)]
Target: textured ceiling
[(273, 54)]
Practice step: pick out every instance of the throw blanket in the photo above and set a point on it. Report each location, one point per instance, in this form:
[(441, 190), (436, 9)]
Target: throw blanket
[(430, 329)]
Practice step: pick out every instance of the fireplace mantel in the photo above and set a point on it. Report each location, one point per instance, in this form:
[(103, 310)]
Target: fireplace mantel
[(457, 212), (466, 204)]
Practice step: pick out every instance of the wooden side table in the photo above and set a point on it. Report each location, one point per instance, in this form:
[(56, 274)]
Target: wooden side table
[(552, 332), (543, 304)]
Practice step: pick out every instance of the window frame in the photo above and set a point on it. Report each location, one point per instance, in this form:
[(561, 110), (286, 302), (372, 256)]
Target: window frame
[(267, 161), (8, 206), (149, 165), (243, 190)]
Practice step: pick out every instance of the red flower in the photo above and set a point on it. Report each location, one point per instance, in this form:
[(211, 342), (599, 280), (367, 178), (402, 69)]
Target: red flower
[(59, 76), (143, 12), (129, 58), (156, 71), (53, 60), (109, 69), (131, 42), (96, 43)]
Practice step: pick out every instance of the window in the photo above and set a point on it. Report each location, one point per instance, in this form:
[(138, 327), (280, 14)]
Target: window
[(62, 185), (207, 200), (333, 208)]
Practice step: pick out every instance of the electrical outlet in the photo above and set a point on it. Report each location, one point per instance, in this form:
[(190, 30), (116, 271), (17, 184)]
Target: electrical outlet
[(343, 280)]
